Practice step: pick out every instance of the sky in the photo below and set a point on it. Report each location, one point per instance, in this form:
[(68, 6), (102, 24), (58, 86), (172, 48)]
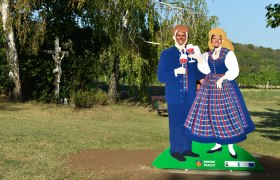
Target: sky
[(244, 21)]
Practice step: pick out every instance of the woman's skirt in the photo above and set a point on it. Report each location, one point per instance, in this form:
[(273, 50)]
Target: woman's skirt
[(218, 115)]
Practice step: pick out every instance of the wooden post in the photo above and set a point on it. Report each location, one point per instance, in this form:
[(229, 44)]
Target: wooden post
[(267, 84)]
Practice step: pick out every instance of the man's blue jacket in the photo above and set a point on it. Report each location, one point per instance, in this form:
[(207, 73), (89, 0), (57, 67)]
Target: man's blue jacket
[(174, 91)]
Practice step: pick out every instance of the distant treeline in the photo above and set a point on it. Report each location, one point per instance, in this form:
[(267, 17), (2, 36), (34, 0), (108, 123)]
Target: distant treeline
[(259, 66)]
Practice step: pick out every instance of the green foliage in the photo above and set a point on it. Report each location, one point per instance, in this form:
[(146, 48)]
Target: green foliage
[(269, 74), (37, 78), (28, 24), (124, 51), (87, 98), (95, 33), (82, 99), (5, 81), (258, 65), (102, 35), (100, 97), (273, 15)]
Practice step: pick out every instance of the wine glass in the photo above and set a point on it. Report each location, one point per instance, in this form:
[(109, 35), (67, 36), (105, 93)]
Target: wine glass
[(183, 59), (190, 50)]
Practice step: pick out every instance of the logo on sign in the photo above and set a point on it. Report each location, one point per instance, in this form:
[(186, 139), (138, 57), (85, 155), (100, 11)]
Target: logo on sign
[(198, 163)]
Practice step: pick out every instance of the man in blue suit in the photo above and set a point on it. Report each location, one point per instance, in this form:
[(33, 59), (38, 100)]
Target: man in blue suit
[(180, 90)]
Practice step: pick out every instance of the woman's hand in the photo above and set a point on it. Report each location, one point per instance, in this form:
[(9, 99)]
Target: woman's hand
[(197, 57), (220, 81)]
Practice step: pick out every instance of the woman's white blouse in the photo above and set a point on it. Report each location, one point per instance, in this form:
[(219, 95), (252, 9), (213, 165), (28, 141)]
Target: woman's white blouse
[(230, 62)]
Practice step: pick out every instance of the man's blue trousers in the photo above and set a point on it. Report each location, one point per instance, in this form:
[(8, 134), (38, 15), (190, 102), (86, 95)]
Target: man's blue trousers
[(177, 114)]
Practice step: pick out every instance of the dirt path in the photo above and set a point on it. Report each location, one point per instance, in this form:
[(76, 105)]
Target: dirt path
[(135, 164)]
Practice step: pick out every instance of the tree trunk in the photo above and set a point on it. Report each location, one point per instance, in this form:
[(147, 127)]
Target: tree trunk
[(12, 56), (114, 82)]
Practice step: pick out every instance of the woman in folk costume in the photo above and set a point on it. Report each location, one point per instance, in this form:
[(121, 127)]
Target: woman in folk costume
[(219, 113)]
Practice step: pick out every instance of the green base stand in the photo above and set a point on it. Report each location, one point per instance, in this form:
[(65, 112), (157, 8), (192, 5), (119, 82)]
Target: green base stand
[(221, 161)]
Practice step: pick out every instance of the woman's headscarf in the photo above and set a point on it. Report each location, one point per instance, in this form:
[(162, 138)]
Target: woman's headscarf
[(226, 43)]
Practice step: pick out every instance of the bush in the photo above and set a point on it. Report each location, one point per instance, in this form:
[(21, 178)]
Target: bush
[(100, 97), (86, 99)]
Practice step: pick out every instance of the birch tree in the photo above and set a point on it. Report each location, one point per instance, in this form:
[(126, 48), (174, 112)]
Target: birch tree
[(12, 56)]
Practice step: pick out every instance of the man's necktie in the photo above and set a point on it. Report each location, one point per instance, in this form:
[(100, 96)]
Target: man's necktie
[(185, 76)]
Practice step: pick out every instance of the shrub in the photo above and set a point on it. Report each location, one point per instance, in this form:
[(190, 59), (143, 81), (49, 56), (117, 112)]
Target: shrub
[(87, 98), (100, 97)]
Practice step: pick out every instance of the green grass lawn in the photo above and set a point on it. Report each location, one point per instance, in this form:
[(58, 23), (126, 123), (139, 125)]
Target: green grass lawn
[(35, 139), (264, 107)]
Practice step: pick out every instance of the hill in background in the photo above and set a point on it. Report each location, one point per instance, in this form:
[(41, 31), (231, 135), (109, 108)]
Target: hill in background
[(258, 65)]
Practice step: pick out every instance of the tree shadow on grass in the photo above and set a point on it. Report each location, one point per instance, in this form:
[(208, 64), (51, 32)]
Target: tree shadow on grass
[(8, 108), (7, 105), (270, 125)]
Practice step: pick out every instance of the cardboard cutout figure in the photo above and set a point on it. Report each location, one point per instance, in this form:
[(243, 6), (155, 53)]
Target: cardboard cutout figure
[(218, 116), (219, 113), (180, 76)]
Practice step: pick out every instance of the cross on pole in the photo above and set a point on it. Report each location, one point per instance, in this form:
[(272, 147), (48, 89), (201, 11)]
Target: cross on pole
[(57, 55)]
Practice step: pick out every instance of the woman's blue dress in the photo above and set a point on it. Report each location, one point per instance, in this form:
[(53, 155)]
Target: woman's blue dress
[(218, 115)]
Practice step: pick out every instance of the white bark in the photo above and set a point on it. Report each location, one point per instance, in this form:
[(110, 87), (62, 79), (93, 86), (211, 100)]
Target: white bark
[(12, 56)]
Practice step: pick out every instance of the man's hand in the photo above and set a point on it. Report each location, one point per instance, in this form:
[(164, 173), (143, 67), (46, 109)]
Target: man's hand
[(180, 70)]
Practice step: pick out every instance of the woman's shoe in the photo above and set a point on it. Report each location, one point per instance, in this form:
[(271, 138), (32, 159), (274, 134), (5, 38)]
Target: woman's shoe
[(215, 150), (233, 156)]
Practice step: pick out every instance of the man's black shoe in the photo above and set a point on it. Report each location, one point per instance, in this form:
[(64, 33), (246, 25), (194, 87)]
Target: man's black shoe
[(215, 150), (233, 156), (178, 156), (190, 153)]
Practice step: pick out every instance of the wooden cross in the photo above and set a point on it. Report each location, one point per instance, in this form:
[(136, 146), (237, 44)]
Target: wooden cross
[(57, 55)]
